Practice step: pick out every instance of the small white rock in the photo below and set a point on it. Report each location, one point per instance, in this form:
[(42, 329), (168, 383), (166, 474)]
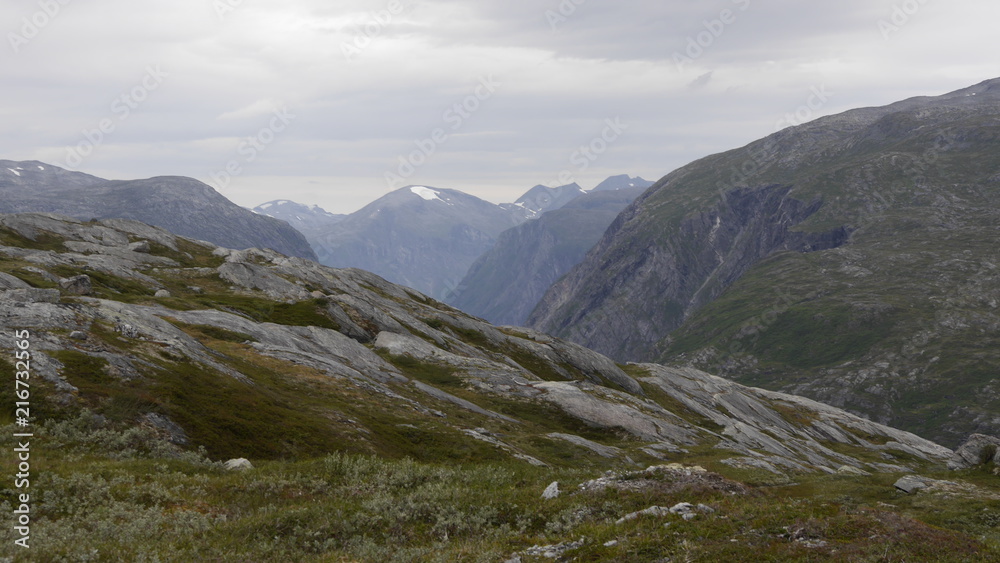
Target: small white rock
[(682, 508), (552, 491), (239, 464)]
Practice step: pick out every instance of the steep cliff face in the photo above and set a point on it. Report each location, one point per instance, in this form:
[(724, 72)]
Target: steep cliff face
[(505, 283), (852, 259), (684, 271)]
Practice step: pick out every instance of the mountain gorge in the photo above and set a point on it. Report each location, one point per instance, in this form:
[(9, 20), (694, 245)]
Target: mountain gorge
[(421, 237), (505, 283), (851, 259)]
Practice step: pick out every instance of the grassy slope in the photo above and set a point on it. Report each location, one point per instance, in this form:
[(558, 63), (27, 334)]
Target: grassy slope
[(348, 507)]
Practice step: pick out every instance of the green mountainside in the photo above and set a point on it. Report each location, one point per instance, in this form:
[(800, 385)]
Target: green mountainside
[(852, 260), (383, 425)]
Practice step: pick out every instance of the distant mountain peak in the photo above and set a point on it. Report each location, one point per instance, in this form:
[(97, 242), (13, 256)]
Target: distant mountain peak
[(428, 194), (541, 199), (182, 205), (621, 182)]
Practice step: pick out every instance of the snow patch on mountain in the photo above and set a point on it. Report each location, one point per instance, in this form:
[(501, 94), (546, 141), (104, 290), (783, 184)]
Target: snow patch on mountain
[(425, 193), (428, 194)]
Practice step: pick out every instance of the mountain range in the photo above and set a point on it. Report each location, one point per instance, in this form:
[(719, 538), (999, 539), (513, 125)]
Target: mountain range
[(852, 259), (420, 236), (182, 205)]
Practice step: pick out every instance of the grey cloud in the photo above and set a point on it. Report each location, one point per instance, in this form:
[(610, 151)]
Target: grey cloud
[(560, 82)]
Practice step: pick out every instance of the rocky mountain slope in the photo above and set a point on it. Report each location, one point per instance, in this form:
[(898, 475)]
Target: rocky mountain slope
[(505, 283), (153, 357), (851, 259), (181, 205), (142, 325)]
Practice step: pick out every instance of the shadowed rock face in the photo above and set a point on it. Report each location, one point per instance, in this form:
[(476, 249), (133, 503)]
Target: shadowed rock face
[(977, 450), (263, 323), (683, 271), (184, 206)]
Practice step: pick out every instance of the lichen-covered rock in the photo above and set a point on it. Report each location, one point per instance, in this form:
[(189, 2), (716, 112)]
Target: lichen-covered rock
[(77, 285), (238, 464), (8, 281), (978, 449), (31, 295), (910, 484)]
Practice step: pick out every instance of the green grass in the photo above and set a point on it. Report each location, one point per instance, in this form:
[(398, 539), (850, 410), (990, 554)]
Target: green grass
[(214, 333), (802, 337), (433, 374), (42, 241), (310, 312)]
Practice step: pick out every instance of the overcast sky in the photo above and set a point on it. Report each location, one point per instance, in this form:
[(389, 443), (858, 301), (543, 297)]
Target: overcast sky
[(337, 103)]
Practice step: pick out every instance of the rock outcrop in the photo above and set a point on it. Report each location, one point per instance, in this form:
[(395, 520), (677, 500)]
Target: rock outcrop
[(267, 330), (979, 449)]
